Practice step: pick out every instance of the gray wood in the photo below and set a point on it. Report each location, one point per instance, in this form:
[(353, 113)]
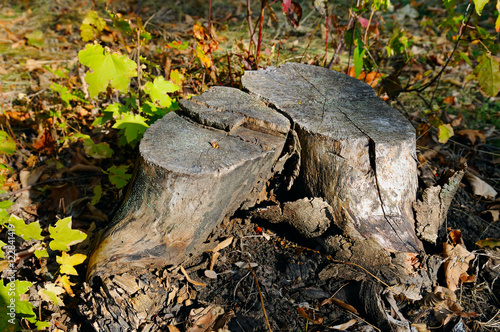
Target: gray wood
[(356, 152), (190, 176)]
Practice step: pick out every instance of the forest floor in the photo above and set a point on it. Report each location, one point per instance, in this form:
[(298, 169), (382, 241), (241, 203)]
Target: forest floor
[(54, 171)]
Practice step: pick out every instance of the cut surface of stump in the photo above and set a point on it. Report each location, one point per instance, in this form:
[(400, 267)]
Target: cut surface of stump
[(357, 152), (190, 176)]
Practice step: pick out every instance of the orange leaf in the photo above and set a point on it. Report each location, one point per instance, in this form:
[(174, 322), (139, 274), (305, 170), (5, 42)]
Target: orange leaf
[(45, 143), (456, 237)]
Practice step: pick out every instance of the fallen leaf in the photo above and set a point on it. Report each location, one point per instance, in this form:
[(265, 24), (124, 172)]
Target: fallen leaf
[(490, 215), (45, 143), (479, 187), (445, 131), (456, 264), (472, 135), (204, 317), (490, 243)]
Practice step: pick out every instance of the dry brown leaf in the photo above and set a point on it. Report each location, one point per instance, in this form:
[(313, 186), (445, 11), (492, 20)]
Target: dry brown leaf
[(194, 282), (490, 215), (202, 318), (172, 328), (479, 187), (456, 264), (472, 135)]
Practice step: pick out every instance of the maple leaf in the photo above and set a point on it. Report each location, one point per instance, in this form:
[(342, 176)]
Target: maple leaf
[(69, 261), (64, 236), (97, 151), (107, 68), (133, 126), (117, 175), (91, 26), (27, 232), (158, 90)]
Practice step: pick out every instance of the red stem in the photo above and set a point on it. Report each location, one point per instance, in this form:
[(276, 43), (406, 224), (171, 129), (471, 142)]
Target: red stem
[(262, 7)]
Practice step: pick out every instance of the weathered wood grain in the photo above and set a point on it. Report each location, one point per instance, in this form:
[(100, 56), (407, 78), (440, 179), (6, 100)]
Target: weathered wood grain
[(358, 153)]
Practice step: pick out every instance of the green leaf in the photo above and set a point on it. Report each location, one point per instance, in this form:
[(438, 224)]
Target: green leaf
[(359, 53), (158, 91), (121, 24), (64, 93), (107, 68), (27, 232), (118, 176), (97, 151), (445, 131), (91, 26), (64, 236), (479, 4), (11, 305), (97, 194), (177, 45), (488, 74), (35, 38), (465, 57), (133, 126), (7, 144)]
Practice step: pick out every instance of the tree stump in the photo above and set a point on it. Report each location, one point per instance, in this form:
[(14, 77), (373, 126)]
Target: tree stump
[(347, 157)]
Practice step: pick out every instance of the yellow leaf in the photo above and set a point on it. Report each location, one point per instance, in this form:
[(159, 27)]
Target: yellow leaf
[(445, 131), (68, 261), (66, 284), (204, 59)]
